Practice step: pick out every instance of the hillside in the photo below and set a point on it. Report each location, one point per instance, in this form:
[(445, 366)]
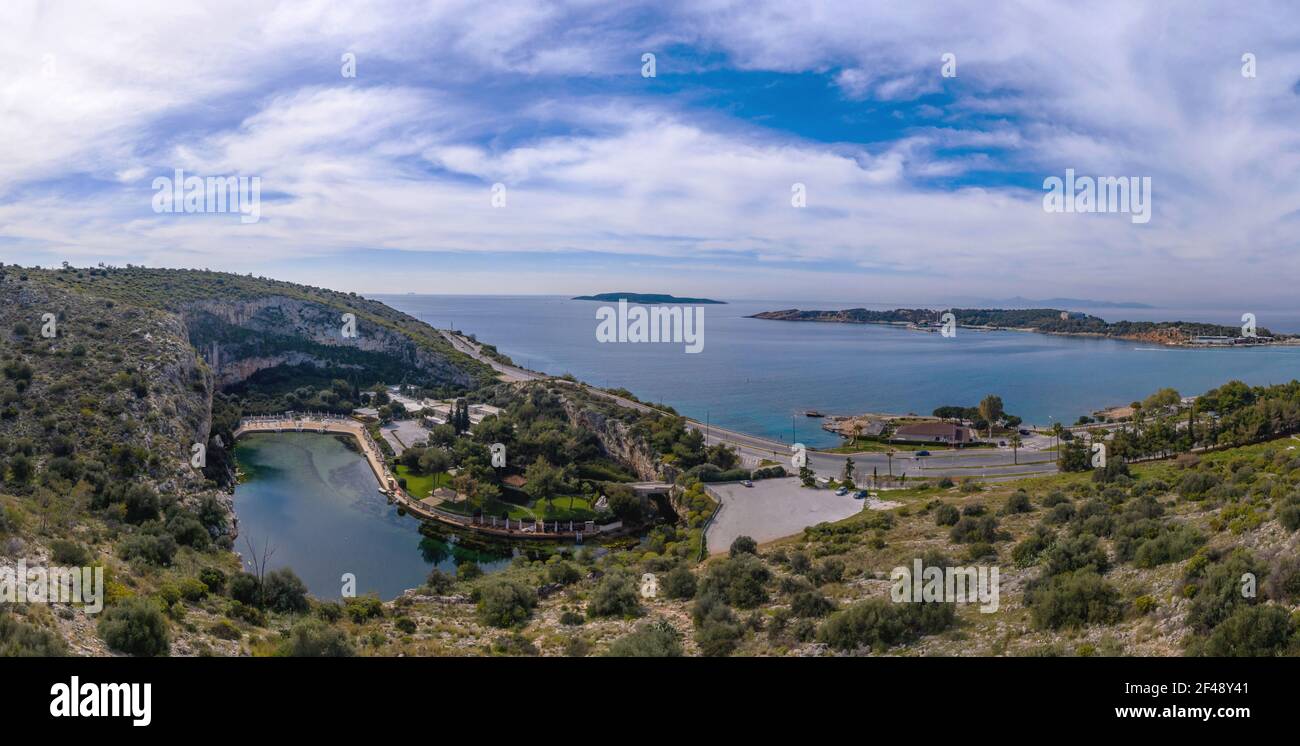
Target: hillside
[(100, 419)]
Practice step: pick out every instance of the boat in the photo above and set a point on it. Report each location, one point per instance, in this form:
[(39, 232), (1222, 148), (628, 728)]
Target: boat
[(813, 413)]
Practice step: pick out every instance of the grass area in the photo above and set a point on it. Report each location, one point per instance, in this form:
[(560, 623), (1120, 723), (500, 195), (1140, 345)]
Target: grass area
[(420, 485), (864, 445), (559, 509)]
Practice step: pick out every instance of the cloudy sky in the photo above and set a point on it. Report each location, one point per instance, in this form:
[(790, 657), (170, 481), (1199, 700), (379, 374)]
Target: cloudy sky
[(918, 186)]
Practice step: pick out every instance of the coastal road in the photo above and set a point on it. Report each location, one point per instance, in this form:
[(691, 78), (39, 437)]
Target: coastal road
[(991, 463)]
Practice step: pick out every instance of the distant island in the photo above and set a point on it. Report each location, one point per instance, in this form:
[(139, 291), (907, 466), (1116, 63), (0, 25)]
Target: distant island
[(1044, 321), (647, 298)]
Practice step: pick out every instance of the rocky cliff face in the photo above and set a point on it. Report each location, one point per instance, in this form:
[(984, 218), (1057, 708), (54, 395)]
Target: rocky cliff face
[(617, 439), (240, 337)]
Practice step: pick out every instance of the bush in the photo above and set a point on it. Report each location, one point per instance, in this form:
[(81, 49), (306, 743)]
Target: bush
[(439, 582), (1251, 631), (811, 604), (405, 624), (1080, 552), (245, 589), (506, 603), (680, 583), (946, 515), (135, 626), (1028, 551), (615, 596), (154, 550), (1289, 517), (653, 639), (312, 638), (1173, 544), (69, 553), (222, 629), (879, 624), (743, 545), (741, 581), (1018, 502), (19, 639), (284, 592), (213, 578), (969, 530), (945, 483), (572, 619), (1073, 600), (189, 532), (468, 571), (1218, 592), (361, 608), (563, 573), (193, 589)]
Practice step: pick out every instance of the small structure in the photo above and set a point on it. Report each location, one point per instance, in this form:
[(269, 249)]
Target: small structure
[(934, 432)]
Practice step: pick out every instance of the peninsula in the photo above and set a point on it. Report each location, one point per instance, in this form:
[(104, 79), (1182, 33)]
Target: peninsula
[(647, 298), (1044, 321)]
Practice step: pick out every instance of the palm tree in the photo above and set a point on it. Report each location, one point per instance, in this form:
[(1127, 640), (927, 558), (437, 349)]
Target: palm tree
[(857, 432), (1015, 447), (1057, 429)]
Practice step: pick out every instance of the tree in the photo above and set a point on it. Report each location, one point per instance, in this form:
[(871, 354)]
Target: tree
[(848, 473), (991, 409), (1015, 447), (653, 639), (806, 476), (544, 480)]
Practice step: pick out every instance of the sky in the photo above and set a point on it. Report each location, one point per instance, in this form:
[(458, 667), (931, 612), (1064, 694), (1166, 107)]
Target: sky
[(524, 147)]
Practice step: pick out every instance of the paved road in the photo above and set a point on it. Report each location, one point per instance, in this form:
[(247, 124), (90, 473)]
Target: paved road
[(975, 462)]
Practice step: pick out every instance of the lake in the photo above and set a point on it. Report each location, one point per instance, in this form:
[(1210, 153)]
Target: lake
[(759, 376), (315, 502)]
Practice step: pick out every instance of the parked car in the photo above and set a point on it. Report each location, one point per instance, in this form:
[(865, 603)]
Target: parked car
[(922, 453), (1025, 432), (860, 495), (1002, 443), (747, 483), (842, 491)]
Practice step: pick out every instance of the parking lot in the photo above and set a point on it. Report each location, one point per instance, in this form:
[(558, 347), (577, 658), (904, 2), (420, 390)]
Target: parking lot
[(771, 509)]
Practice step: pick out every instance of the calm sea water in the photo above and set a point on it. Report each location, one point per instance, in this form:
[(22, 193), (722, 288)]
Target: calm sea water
[(760, 376), (316, 503)]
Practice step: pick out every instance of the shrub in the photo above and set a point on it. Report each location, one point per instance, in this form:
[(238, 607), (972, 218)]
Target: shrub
[(222, 629), (653, 639), (719, 637), (1251, 631), (245, 589), (969, 530), (1218, 592), (743, 545), (154, 550), (193, 589), (404, 624), (1017, 502), (1173, 544), (811, 604), (572, 619), (1028, 551), (189, 532), (946, 515), (828, 571), (879, 624), (945, 483), (135, 626), (679, 583), (213, 578), (439, 582), (1284, 579), (284, 592), (969, 486), (741, 581), (1289, 517), (312, 638), (361, 608), (1081, 552), (69, 553), (19, 639), (1073, 600), (468, 571), (506, 603), (563, 573), (615, 596), (1144, 604)]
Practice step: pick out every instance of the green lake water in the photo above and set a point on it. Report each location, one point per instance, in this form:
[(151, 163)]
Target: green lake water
[(314, 500)]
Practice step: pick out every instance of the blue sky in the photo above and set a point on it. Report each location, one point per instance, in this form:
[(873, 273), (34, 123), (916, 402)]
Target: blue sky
[(918, 185)]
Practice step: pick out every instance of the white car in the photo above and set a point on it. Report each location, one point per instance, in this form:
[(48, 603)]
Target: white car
[(842, 491)]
